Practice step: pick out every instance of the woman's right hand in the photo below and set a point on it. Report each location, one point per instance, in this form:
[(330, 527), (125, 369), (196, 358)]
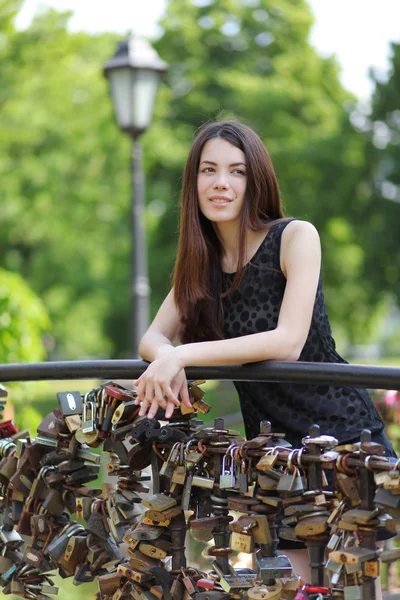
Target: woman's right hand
[(179, 388), (160, 385), (164, 379)]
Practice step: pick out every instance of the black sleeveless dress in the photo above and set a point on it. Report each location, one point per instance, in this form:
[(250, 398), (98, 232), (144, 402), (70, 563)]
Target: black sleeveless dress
[(291, 407)]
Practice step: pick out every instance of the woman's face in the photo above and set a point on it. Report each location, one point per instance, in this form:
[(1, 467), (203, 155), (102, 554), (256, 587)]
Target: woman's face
[(221, 181)]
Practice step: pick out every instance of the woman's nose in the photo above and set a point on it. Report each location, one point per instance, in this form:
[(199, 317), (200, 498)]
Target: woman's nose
[(221, 182)]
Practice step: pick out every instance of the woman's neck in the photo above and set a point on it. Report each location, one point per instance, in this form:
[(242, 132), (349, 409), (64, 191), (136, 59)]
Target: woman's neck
[(228, 235), (229, 238)]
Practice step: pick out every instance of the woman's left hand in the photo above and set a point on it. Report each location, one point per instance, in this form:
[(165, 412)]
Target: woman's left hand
[(160, 385)]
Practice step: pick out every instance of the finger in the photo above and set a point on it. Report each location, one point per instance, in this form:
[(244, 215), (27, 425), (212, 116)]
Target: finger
[(185, 398), (147, 398), (170, 396), (144, 405), (184, 394), (175, 390), (143, 373), (136, 384), (169, 410), (158, 401), (149, 393), (139, 398), (159, 395), (154, 408), (140, 391), (138, 380)]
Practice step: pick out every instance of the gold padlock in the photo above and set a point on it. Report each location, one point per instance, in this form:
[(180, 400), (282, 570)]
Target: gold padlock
[(261, 533), (159, 502), (371, 568), (242, 542), (164, 523), (158, 516), (201, 406), (267, 461), (73, 422), (141, 562), (392, 480), (179, 475), (311, 526), (203, 482), (185, 410), (91, 438)]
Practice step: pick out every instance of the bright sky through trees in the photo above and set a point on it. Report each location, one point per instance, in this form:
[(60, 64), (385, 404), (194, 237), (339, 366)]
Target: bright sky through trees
[(357, 31)]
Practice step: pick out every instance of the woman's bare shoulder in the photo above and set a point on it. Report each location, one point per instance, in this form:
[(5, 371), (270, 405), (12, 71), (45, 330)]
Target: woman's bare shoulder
[(300, 246), (301, 230)]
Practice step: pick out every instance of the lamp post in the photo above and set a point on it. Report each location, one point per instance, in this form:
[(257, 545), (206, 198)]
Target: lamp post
[(134, 73)]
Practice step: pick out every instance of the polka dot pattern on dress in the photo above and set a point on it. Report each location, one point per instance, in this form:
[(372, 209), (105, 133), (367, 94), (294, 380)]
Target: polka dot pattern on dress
[(292, 408)]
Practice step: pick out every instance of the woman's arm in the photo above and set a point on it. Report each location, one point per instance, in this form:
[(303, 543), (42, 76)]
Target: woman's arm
[(162, 332), (156, 344), (300, 263)]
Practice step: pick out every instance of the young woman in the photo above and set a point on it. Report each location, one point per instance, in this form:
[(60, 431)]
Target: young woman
[(247, 288)]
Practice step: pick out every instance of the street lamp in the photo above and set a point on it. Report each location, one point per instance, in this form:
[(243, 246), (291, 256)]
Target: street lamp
[(134, 73)]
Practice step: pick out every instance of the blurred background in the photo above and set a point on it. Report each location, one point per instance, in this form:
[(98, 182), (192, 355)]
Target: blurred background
[(318, 80), (320, 83)]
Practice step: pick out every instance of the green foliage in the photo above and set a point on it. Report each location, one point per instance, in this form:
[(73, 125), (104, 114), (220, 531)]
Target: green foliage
[(66, 189), (24, 329), (65, 198), (382, 208), (23, 321), (67, 589), (29, 418)]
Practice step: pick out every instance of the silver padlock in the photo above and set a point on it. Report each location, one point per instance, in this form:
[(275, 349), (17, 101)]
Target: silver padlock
[(273, 567), (88, 417), (325, 441), (11, 538), (57, 547), (353, 592), (227, 477)]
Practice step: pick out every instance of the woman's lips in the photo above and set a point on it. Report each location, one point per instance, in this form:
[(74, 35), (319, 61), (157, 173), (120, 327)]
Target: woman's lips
[(220, 200)]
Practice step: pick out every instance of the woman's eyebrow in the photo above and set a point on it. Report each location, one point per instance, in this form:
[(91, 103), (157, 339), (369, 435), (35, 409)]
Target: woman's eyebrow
[(210, 162)]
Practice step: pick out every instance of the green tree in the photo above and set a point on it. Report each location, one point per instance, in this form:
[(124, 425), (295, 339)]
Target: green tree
[(253, 59), (23, 321), (382, 206), (65, 184), (66, 187)]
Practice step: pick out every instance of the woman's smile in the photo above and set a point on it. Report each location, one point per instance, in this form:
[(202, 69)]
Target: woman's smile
[(221, 200)]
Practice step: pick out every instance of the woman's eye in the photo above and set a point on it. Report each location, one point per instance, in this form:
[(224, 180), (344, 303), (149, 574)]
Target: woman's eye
[(212, 170)]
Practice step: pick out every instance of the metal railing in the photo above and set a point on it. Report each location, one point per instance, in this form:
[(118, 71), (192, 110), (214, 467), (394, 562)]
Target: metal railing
[(336, 374)]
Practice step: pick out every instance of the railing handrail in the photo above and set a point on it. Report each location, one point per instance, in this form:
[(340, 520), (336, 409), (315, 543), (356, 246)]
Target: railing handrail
[(337, 374)]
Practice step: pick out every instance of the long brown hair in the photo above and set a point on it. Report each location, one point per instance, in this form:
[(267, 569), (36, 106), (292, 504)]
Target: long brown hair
[(198, 285)]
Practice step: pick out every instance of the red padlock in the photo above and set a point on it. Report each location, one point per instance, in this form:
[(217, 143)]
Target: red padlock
[(120, 393), (8, 429), (206, 584)]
